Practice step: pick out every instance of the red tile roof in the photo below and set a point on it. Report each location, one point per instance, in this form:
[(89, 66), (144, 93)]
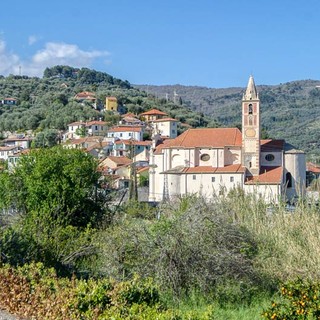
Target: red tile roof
[(268, 175), (134, 142), (271, 145), (207, 137), (311, 167), (234, 168), (153, 112), (125, 129), (165, 119), (96, 122), (120, 160)]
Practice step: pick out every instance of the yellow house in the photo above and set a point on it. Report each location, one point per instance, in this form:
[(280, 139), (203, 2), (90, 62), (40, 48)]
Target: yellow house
[(111, 104)]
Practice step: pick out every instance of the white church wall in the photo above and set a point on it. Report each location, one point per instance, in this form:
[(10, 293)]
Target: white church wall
[(276, 162), (295, 164), (268, 192)]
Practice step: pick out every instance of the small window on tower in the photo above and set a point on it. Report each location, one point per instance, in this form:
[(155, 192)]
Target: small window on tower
[(250, 109)]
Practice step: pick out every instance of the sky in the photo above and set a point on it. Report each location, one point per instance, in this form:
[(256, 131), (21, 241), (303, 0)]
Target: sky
[(208, 43)]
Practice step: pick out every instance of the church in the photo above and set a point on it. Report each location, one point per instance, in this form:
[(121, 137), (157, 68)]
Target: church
[(212, 161)]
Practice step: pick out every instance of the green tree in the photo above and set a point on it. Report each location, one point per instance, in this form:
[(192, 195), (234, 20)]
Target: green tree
[(55, 191)]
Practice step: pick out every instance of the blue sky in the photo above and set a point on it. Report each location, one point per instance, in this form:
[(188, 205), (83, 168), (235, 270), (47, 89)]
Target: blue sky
[(205, 43)]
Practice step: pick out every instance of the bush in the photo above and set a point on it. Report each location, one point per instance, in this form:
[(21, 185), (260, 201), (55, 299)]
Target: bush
[(300, 300)]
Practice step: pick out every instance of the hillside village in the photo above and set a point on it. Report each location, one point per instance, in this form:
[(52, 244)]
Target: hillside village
[(147, 147), (102, 181)]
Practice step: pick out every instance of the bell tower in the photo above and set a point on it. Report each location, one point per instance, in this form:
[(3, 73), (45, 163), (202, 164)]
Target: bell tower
[(251, 129)]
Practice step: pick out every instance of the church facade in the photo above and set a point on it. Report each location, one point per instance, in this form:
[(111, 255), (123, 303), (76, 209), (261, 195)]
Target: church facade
[(213, 161)]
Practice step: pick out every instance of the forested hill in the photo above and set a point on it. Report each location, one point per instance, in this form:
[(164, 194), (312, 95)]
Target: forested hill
[(290, 110), (48, 103)]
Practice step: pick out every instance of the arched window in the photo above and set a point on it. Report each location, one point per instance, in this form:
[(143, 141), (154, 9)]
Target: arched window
[(250, 109), (250, 121), (288, 180)]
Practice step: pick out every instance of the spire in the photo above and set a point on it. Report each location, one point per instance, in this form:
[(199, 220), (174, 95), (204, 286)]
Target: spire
[(251, 92)]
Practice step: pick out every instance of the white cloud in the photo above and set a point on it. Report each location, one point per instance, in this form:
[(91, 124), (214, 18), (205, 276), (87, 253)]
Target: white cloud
[(53, 54), (8, 60), (32, 39)]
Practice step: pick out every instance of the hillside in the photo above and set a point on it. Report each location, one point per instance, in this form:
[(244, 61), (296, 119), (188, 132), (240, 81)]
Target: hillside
[(290, 110), (48, 102)]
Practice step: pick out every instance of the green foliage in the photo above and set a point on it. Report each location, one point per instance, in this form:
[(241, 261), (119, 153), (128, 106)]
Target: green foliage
[(34, 291), (57, 195), (300, 300)]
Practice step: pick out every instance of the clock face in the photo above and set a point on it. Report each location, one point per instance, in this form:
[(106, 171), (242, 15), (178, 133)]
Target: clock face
[(250, 133)]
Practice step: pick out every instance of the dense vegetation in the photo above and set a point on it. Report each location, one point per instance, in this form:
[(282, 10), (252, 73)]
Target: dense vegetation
[(187, 259), (289, 111), (48, 103)]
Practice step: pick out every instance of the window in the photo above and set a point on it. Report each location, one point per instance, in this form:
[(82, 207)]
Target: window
[(288, 180), (250, 120), (120, 134), (205, 157), (173, 131), (194, 177), (213, 179), (269, 157), (96, 128), (130, 134), (250, 109), (231, 179)]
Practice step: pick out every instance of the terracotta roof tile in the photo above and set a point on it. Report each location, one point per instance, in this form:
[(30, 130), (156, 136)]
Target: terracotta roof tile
[(208, 137), (165, 119), (153, 112), (234, 168), (120, 160), (125, 129), (271, 145), (268, 175), (311, 167)]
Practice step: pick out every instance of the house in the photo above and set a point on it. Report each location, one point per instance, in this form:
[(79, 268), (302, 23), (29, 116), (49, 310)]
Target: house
[(126, 132), (96, 128), (20, 142), (133, 148), (5, 152), (9, 101), (80, 129), (130, 119), (213, 161), (153, 114), (101, 149), (83, 143), (111, 104), (76, 130), (167, 127), (86, 96)]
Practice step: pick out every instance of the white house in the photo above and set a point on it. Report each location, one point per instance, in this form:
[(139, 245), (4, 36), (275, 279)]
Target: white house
[(212, 161), (126, 132), (167, 127), (96, 128), (5, 152)]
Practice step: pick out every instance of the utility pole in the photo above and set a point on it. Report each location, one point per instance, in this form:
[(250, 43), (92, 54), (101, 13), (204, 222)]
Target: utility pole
[(133, 187)]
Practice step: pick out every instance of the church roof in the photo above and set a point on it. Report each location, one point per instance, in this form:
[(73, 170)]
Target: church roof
[(206, 137), (268, 175), (270, 145), (251, 92), (234, 168)]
